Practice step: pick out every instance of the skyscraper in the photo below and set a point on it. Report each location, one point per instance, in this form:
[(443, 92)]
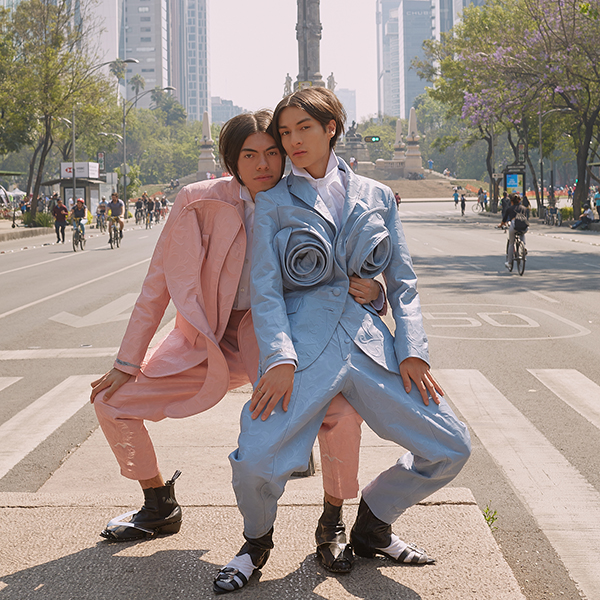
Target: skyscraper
[(144, 36), (198, 79), (402, 27)]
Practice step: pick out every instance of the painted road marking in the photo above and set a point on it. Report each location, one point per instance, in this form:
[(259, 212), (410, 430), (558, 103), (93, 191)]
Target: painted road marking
[(543, 297), (68, 290), (564, 504), (117, 310), (43, 262), (573, 388), (27, 429), (6, 381), (41, 353)]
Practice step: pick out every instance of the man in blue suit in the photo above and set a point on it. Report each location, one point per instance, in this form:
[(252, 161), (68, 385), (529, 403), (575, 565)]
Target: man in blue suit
[(313, 232)]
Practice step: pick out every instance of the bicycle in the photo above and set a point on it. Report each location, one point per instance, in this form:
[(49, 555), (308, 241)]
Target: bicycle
[(149, 219), (78, 237), (139, 216), (114, 232), (519, 253), (477, 207), (101, 222)]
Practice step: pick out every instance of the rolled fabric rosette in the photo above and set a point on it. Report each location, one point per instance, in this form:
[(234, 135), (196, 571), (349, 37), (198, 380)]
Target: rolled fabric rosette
[(305, 254), (368, 246)]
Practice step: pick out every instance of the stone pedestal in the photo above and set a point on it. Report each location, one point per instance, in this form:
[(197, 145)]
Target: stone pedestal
[(413, 161), (206, 161)]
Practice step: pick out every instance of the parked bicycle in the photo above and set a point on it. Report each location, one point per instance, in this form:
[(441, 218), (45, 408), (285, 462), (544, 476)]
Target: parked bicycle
[(78, 237), (553, 216), (114, 232)]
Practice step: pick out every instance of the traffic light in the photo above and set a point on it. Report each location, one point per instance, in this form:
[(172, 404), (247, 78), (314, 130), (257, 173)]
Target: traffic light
[(372, 138)]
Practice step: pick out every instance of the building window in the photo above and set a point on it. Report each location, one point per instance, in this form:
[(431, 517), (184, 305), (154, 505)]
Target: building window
[(145, 19), (143, 9), (147, 70), (145, 29), (145, 39)]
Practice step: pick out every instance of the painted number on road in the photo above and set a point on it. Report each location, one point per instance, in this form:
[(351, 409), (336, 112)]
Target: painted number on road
[(504, 318)]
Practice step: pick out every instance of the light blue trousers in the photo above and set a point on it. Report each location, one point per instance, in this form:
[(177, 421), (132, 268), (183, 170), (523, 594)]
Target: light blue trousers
[(270, 451)]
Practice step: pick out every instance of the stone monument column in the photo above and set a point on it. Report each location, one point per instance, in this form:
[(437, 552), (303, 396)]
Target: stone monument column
[(206, 160), (308, 34)]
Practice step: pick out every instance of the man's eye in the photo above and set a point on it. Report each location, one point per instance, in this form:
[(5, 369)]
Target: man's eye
[(282, 133)]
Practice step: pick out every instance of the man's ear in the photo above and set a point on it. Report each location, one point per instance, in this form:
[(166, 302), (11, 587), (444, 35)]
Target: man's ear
[(331, 128)]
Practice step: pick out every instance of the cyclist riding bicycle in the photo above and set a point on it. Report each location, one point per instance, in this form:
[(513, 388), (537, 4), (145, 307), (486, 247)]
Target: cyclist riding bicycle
[(515, 216), (79, 214), (139, 210), (116, 208), (150, 208)]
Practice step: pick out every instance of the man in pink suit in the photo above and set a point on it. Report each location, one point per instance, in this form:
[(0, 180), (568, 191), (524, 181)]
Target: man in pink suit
[(202, 264)]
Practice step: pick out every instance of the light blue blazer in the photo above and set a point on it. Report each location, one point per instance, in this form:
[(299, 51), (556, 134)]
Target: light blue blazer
[(301, 264)]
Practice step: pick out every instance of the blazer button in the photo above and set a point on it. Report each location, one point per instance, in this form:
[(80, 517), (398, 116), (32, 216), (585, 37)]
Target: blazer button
[(336, 291)]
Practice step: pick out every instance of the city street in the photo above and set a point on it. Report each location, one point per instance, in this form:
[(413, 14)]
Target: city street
[(518, 357)]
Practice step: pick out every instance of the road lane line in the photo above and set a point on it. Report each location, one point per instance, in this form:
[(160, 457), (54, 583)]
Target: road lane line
[(591, 265), (6, 381), (68, 290), (29, 428), (41, 353), (564, 504), (45, 262), (573, 388), (544, 297)]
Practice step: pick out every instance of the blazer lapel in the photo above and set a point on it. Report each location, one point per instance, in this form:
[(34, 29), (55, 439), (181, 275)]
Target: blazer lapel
[(301, 189)]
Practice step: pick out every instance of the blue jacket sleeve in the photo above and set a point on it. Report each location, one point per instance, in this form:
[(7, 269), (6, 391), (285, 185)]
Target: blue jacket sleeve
[(401, 283)]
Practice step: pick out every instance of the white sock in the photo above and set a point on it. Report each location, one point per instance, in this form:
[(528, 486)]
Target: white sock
[(396, 548), (244, 565)]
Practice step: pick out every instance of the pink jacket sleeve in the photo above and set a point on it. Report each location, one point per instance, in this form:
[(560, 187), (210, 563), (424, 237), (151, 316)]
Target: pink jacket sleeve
[(151, 303)]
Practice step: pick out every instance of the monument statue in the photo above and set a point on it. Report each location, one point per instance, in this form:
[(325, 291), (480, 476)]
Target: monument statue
[(206, 161), (287, 88), (331, 82), (308, 34)]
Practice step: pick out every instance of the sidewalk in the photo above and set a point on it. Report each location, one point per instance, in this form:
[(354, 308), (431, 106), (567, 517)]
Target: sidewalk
[(8, 232), (51, 549)]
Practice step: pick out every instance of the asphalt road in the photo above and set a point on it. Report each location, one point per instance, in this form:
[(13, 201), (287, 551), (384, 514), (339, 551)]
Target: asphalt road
[(518, 356)]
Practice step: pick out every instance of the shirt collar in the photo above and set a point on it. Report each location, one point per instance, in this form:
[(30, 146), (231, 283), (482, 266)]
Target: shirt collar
[(245, 194), (331, 173)]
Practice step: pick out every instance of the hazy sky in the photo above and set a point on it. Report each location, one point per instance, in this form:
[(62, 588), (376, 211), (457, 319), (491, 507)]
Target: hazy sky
[(253, 45)]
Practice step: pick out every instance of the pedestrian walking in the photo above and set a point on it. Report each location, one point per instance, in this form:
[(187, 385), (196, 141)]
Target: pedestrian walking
[(60, 213), (456, 197), (463, 204)]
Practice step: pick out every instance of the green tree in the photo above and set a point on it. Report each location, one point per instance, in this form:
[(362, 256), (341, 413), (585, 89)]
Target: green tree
[(53, 68), (137, 83)]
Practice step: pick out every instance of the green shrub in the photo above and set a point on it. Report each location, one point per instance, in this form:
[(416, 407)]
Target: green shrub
[(44, 220), (27, 221), (567, 213), (534, 212)]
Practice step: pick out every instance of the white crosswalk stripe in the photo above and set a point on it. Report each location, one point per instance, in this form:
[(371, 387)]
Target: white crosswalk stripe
[(573, 388), (27, 429), (6, 381), (564, 504)]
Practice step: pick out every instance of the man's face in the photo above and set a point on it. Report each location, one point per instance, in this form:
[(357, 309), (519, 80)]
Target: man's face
[(305, 140)]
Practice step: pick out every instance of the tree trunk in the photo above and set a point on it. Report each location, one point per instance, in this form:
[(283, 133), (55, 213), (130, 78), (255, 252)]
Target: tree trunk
[(535, 183), (40, 173), (581, 191), (32, 168)]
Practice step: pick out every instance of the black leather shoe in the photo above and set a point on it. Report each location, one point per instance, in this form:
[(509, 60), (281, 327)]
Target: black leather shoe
[(369, 534), (229, 579), (160, 515), (332, 550)]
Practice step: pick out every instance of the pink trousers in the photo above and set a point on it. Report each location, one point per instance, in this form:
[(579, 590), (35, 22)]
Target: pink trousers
[(143, 398)]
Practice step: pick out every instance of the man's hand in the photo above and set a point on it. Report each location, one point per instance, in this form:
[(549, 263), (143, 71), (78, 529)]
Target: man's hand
[(113, 380), (364, 291), (418, 370), (275, 384)]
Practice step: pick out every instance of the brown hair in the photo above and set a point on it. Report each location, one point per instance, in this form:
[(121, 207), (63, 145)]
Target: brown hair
[(235, 133), (320, 103)]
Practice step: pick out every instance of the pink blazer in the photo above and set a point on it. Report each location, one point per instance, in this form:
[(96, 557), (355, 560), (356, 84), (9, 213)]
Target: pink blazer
[(197, 264)]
